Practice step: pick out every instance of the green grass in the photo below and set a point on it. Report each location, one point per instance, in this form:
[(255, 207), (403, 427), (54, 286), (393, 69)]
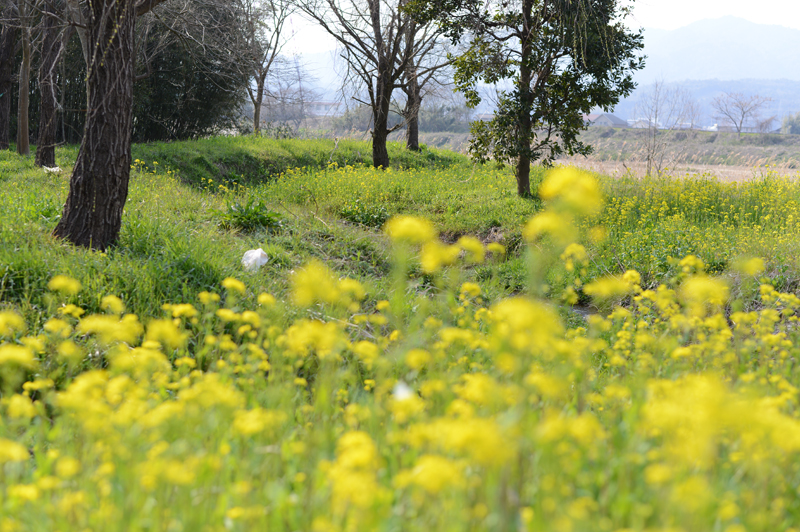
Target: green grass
[(174, 242), (420, 403), (245, 160)]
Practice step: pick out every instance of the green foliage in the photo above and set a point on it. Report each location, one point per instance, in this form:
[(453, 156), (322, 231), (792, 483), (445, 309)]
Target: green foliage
[(248, 216), (187, 93), (791, 124), (562, 58), (369, 215)]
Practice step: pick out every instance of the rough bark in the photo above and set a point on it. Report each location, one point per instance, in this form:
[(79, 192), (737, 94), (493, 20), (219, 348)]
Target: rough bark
[(7, 41), (411, 111), (99, 184), (23, 123), (51, 53), (380, 131), (523, 169)]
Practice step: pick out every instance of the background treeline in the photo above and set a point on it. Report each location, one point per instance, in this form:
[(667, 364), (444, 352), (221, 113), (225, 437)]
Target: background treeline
[(180, 91)]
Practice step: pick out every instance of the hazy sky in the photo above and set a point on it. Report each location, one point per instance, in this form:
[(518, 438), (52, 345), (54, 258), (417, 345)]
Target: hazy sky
[(663, 14), (672, 14)]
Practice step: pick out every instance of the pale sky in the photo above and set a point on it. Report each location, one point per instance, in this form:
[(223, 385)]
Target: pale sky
[(661, 14), (673, 14)]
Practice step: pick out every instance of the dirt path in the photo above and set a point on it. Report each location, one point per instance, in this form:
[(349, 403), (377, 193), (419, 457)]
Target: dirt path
[(721, 172)]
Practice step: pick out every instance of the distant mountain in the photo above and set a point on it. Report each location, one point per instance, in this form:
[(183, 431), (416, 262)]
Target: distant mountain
[(727, 54), (727, 48)]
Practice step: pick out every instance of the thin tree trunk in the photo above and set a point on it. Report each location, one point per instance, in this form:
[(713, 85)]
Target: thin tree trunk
[(257, 103), (23, 131), (411, 112), (99, 184), (51, 53), (7, 41), (523, 169)]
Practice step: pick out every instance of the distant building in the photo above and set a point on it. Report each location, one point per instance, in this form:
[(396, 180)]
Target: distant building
[(604, 119)]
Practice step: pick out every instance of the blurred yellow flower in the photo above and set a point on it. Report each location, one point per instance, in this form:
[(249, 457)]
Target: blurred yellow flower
[(409, 229), (65, 285)]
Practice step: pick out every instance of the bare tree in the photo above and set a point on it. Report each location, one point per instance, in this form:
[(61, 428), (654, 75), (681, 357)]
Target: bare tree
[(25, 18), (767, 124), (739, 109), (8, 49), (427, 59), (662, 110), (372, 35), (289, 93), (263, 38), (54, 41)]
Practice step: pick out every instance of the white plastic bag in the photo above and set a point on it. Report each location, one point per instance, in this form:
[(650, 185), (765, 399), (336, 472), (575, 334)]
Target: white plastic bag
[(254, 259)]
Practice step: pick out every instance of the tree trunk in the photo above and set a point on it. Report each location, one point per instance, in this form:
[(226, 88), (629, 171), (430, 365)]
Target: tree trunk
[(411, 112), (99, 184), (7, 42), (523, 170), (257, 103), (380, 115), (23, 131), (51, 52)]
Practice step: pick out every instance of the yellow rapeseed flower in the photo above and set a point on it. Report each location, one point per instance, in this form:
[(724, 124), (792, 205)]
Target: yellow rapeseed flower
[(578, 191), (112, 304), (10, 322), (410, 229), (65, 285), (233, 285), (16, 355)]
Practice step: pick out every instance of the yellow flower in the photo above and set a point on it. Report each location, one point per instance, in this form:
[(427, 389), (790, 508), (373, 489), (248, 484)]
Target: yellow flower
[(70, 350), (67, 467), (183, 310), (20, 407), (72, 310), (11, 451), (432, 473), (207, 298), (25, 492), (11, 322), (608, 287), (435, 255), (17, 355), (473, 247), (702, 292), (578, 191), (752, 267), (112, 304), (497, 250), (109, 329), (418, 359), (65, 285), (249, 422), (233, 285), (266, 300), (557, 225), (410, 229), (315, 284), (166, 333), (366, 351)]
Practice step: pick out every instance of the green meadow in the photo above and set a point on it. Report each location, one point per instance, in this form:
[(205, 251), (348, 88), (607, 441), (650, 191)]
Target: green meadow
[(424, 350)]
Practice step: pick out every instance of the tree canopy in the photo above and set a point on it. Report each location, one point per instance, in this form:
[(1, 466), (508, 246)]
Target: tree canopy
[(553, 61)]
